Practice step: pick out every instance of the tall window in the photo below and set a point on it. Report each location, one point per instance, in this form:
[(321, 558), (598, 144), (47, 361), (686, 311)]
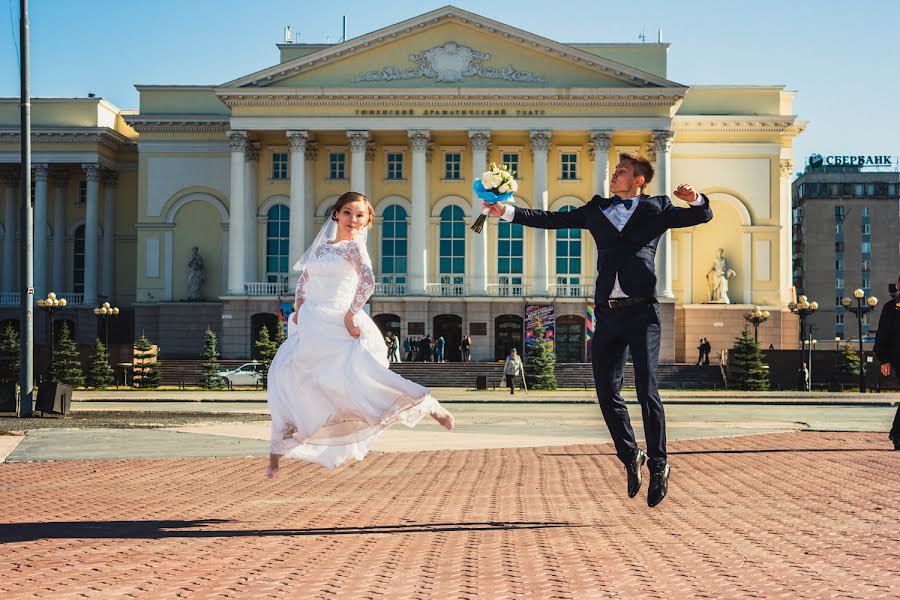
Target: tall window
[(569, 166), (82, 192), (278, 232), (452, 261), (453, 165), (337, 165), (393, 245), (568, 257), (279, 165), (511, 160), (510, 250), (78, 261), (394, 165)]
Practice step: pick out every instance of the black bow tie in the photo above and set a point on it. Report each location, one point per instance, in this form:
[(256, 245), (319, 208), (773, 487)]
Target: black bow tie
[(607, 202)]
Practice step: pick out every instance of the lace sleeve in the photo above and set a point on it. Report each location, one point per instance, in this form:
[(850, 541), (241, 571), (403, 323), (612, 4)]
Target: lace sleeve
[(366, 285), (300, 293)]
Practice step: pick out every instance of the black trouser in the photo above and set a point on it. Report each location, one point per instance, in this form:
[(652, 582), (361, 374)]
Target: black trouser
[(636, 327), (511, 383), (895, 428)]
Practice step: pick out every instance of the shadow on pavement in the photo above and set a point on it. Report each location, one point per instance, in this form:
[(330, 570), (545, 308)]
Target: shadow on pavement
[(729, 451), (27, 532)]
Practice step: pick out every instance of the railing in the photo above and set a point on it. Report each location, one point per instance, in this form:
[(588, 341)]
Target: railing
[(71, 298), (265, 288), (390, 289), (569, 290), (10, 298), (445, 289), (507, 289)]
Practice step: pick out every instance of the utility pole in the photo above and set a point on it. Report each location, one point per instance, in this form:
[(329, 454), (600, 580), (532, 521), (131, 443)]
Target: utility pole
[(26, 272)]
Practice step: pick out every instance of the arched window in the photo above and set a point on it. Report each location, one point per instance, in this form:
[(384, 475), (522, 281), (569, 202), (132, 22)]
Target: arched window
[(510, 251), (394, 247), (568, 259), (452, 261), (278, 231), (78, 261)]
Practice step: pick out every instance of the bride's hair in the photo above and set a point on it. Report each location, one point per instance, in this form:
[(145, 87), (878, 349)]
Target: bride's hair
[(349, 197)]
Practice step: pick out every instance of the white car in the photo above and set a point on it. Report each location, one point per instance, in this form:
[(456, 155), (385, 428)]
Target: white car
[(247, 374)]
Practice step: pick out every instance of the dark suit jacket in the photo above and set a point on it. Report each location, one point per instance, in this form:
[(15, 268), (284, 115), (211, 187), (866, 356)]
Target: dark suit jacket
[(629, 253), (887, 338)]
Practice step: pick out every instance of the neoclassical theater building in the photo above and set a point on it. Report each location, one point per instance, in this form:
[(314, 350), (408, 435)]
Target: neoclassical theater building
[(409, 114)]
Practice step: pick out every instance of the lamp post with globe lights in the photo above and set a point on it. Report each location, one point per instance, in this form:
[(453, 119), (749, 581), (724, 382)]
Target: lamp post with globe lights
[(810, 344), (859, 310), (52, 305), (803, 308), (756, 317), (105, 312)]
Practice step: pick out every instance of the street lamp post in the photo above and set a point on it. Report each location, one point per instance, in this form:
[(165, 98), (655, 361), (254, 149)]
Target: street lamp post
[(756, 317), (105, 312), (803, 308), (811, 345), (52, 305), (859, 310)]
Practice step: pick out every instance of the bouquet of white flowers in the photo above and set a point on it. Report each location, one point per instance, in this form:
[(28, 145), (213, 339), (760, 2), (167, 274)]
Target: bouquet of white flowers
[(497, 184)]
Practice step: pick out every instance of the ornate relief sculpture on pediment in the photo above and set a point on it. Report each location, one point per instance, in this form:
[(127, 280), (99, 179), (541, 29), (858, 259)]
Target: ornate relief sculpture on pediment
[(449, 63)]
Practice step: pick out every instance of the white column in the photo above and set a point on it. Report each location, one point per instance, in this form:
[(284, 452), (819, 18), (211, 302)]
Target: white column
[(8, 280), (688, 261), (477, 279), (110, 184), (417, 261), (251, 185), (746, 276), (309, 207), (663, 141), (237, 214), (91, 233), (41, 173), (599, 151), (58, 280), (297, 141), (785, 214), (370, 188), (358, 140), (540, 145)]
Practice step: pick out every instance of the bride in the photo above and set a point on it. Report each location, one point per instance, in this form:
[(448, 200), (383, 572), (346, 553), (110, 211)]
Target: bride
[(331, 393)]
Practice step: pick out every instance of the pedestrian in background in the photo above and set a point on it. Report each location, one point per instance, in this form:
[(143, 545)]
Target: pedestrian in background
[(512, 368), (887, 349)]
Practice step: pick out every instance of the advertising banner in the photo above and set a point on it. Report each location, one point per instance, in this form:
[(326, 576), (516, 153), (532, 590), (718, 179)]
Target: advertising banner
[(539, 314)]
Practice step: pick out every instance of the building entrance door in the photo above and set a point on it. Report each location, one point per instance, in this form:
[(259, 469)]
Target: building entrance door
[(449, 326)]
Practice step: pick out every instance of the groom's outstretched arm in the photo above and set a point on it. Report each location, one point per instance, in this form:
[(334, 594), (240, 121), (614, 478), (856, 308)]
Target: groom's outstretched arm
[(542, 219), (697, 212)]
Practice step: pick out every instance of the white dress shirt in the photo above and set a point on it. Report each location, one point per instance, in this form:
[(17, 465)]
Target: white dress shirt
[(618, 215)]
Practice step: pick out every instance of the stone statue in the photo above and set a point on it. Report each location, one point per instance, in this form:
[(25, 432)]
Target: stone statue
[(717, 280), (196, 274)]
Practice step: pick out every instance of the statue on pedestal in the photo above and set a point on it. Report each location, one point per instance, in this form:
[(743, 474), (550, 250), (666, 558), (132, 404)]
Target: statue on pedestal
[(717, 280), (196, 274)]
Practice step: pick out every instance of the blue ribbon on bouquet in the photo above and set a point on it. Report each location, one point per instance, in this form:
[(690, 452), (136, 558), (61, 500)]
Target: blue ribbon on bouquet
[(489, 197)]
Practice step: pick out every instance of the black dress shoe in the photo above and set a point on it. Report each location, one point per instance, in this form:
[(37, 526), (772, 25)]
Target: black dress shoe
[(633, 468), (659, 485)]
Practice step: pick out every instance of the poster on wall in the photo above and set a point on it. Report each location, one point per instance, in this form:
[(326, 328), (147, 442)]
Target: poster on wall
[(539, 314), (589, 323), (285, 310)]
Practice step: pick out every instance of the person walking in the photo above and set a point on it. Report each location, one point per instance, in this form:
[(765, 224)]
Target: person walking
[(512, 368), (627, 229), (700, 348), (439, 347), (887, 350), (466, 347)]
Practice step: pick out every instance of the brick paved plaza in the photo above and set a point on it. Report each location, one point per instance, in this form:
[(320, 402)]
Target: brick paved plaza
[(770, 516)]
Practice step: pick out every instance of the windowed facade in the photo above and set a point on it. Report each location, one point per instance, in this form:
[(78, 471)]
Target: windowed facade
[(394, 245), (279, 165), (569, 166), (452, 246), (568, 258), (337, 165), (453, 165), (78, 261), (510, 261), (394, 165), (277, 243)]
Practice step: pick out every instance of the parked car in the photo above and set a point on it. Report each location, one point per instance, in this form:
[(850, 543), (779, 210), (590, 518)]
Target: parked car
[(247, 374)]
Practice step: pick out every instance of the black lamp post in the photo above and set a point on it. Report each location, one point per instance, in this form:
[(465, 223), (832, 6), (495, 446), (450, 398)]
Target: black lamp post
[(859, 310), (52, 305), (756, 317), (803, 308), (105, 312), (810, 344)]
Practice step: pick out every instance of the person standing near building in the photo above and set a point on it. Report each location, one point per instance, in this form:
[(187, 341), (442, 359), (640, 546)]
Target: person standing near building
[(700, 348), (466, 347), (439, 347), (707, 348), (887, 349), (512, 368)]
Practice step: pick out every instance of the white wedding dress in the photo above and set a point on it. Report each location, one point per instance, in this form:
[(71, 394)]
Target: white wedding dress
[(331, 395)]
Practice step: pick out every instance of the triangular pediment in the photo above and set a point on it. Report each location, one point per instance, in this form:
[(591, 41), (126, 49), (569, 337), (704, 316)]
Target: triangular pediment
[(450, 48)]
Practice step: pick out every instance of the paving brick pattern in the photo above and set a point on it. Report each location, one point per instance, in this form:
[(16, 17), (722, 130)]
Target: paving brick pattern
[(799, 515)]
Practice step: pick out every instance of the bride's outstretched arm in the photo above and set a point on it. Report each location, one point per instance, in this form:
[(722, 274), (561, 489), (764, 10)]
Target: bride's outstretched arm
[(300, 293), (366, 286)]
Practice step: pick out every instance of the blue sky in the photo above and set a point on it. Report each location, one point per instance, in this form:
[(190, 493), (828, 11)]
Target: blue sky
[(841, 57)]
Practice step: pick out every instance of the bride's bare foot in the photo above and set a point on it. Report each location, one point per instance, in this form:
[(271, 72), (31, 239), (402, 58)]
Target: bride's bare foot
[(443, 417), (272, 468)]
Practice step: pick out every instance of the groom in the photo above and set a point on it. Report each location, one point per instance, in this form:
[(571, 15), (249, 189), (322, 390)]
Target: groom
[(627, 229)]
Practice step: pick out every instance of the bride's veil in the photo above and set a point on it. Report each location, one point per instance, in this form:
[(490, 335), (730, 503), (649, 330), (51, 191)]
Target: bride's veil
[(327, 233)]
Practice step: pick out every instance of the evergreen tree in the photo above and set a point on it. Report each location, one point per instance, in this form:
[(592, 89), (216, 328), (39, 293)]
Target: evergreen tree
[(209, 378), (266, 348), (66, 360), (100, 375), (848, 361), (10, 359), (540, 362), (146, 368), (746, 369)]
